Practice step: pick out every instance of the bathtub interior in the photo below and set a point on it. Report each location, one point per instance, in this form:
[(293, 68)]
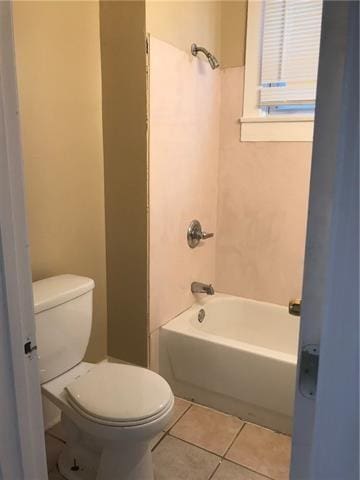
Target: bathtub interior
[(248, 321), (241, 359)]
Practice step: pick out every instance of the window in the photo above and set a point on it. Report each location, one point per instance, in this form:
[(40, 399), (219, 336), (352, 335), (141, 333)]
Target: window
[(283, 40)]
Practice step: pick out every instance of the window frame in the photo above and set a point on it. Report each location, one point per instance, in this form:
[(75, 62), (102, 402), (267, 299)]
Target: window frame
[(255, 124)]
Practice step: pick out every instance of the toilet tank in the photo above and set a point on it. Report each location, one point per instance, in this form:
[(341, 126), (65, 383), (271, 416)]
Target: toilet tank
[(63, 317)]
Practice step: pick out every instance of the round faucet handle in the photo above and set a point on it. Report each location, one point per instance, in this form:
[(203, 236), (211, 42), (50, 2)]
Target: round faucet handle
[(195, 234)]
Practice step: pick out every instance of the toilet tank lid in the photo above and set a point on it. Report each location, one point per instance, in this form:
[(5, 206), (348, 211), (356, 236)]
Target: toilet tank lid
[(53, 291)]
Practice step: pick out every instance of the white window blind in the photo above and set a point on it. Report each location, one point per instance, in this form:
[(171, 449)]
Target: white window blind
[(290, 52)]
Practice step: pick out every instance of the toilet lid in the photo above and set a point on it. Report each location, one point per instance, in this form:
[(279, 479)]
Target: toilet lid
[(120, 393)]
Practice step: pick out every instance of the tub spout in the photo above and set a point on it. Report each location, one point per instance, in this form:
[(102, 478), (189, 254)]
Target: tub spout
[(198, 287)]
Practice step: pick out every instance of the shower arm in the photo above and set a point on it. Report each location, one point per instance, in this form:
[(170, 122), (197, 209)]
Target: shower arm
[(195, 50), (211, 58)]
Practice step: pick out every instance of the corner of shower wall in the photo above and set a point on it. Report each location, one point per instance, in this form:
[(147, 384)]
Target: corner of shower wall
[(184, 122)]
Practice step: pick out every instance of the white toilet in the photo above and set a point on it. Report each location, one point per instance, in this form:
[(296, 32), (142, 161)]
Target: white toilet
[(110, 412)]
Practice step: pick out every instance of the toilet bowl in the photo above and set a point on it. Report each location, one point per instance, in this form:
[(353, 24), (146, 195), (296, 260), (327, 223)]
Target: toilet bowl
[(110, 412)]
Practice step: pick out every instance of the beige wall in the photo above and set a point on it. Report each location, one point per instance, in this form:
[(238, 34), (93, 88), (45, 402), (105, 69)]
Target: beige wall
[(233, 33), (262, 208), (125, 155), (219, 26), (186, 22), (58, 64)]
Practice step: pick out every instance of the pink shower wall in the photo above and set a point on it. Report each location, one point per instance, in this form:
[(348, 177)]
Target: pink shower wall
[(252, 195), (183, 167), (262, 207)]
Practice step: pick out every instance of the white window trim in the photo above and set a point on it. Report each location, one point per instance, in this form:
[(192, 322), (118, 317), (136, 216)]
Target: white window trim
[(255, 125)]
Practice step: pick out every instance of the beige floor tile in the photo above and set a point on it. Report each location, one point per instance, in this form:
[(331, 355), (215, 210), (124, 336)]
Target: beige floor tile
[(207, 428), (262, 450), (177, 460), (53, 449), (180, 408), (230, 471), (154, 442)]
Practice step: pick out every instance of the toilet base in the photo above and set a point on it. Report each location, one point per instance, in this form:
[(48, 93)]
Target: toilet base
[(85, 458)]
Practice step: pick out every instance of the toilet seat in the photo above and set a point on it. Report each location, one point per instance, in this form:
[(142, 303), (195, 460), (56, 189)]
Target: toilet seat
[(120, 395)]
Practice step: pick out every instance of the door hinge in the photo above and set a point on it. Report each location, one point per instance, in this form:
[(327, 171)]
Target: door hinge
[(309, 367), (29, 347)]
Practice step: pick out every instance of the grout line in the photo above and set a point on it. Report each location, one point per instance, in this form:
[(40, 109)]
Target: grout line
[(240, 464), (268, 428), (221, 456), (216, 469), (221, 459), (233, 440), (180, 417), (167, 432), (279, 432), (206, 407), (161, 439), (196, 446), (249, 469)]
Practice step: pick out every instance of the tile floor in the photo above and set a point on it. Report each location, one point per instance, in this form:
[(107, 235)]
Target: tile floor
[(202, 444)]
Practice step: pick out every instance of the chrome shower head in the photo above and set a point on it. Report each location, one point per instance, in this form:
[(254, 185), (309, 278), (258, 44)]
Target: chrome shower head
[(213, 61), (211, 58)]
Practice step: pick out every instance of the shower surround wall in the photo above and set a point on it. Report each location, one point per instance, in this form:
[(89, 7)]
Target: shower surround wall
[(252, 194), (262, 207), (183, 164)]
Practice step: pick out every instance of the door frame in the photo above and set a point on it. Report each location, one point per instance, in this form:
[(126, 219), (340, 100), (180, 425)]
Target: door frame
[(26, 453)]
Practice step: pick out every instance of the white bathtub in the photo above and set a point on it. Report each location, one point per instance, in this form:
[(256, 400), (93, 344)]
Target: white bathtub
[(240, 359)]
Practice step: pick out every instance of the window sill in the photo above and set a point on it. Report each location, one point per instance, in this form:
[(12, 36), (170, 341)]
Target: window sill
[(277, 129)]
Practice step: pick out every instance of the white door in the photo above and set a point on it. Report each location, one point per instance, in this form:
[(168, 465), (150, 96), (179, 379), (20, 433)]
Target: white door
[(326, 430), (22, 452)]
